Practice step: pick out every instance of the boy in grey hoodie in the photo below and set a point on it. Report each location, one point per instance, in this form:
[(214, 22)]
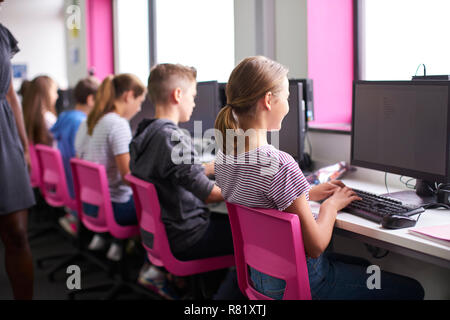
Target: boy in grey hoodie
[(182, 184)]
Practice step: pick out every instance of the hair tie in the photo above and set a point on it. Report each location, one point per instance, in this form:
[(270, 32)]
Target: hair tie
[(229, 105)]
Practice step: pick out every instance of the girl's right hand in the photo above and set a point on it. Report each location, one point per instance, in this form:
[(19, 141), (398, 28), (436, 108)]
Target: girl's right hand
[(341, 198)]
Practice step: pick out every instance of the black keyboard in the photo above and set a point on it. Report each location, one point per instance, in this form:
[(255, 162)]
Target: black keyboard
[(374, 207)]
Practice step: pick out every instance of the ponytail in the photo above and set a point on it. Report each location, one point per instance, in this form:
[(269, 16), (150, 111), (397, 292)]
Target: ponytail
[(104, 103), (225, 120)]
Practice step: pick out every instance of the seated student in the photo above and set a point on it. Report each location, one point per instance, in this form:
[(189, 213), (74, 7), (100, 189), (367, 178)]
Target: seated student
[(104, 138), (64, 131), (183, 188), (39, 109), (257, 98)]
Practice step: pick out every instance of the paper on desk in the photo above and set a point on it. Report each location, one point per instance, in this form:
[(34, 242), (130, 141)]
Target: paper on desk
[(437, 233)]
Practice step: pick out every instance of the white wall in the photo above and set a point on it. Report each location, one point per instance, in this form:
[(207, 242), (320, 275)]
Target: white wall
[(38, 25), (291, 48), (288, 39)]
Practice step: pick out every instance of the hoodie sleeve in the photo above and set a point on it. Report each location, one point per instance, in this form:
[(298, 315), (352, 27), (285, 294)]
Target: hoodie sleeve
[(181, 165)]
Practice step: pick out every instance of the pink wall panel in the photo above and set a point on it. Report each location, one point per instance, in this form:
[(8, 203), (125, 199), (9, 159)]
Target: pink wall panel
[(330, 58), (100, 46)]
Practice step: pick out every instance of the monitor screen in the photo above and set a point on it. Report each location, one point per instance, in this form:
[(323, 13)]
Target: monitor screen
[(402, 127), (291, 138)]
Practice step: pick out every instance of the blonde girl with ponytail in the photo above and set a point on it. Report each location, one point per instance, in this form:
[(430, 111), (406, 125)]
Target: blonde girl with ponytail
[(257, 101), (104, 138)]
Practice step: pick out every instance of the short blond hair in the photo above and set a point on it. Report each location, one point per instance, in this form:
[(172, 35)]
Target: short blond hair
[(166, 77)]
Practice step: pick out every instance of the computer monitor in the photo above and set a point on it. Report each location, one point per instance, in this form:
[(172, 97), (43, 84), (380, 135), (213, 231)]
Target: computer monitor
[(65, 101), (222, 94), (207, 106), (292, 133), (308, 97), (147, 112), (402, 127), (432, 77)]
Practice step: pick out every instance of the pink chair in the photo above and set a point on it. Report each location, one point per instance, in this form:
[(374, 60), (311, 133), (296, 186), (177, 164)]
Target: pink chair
[(91, 187), (271, 242), (35, 168), (53, 187), (152, 227), (53, 184)]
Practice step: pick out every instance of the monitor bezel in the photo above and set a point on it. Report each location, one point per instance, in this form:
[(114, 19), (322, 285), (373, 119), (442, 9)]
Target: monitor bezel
[(397, 170)]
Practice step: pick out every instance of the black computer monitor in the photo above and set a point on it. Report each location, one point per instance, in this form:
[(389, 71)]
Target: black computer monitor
[(308, 97), (207, 106), (222, 94), (65, 101), (292, 133), (402, 127), (147, 112)]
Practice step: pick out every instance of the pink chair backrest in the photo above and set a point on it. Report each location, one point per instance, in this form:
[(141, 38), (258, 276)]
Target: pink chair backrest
[(152, 228), (271, 242), (91, 187), (35, 168), (53, 184)]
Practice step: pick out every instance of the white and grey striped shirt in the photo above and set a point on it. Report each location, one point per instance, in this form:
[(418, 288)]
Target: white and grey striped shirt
[(111, 137), (264, 177)]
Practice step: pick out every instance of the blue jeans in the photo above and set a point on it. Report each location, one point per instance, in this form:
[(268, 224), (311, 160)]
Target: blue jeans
[(339, 277), (124, 213)]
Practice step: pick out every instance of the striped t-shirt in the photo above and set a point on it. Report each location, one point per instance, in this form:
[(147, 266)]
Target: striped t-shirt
[(264, 177), (111, 137)]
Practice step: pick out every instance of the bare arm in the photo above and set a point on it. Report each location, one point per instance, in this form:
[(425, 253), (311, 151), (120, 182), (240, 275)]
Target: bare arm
[(123, 164), (215, 195), (11, 96), (209, 168), (317, 233)]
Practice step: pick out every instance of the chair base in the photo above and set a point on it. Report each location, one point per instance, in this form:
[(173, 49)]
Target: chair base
[(73, 258), (117, 287)]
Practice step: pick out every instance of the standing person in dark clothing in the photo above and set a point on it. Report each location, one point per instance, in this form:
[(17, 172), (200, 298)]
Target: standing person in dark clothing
[(16, 194)]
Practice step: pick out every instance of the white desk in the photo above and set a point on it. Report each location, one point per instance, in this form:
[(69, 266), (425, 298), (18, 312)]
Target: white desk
[(400, 241)]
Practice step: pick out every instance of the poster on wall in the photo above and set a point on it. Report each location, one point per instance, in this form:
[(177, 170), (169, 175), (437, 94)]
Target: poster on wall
[(19, 70)]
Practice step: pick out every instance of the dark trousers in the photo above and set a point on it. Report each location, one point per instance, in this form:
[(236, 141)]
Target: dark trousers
[(217, 241)]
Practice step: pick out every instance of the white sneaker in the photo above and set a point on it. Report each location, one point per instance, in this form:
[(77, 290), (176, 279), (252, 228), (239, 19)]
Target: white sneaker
[(154, 279), (97, 243), (114, 252), (69, 224)]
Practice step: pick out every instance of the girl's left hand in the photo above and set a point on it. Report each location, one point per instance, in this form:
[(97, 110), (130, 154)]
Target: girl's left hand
[(325, 190)]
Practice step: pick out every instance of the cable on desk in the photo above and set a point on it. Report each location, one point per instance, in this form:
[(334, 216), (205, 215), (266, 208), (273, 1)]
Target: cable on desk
[(424, 69), (407, 184), (385, 182)]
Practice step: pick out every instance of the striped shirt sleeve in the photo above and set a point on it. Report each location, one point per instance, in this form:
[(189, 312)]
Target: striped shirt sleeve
[(287, 184), (120, 137)]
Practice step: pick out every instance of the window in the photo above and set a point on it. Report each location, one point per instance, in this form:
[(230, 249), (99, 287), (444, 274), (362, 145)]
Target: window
[(131, 38), (398, 36), (196, 33)]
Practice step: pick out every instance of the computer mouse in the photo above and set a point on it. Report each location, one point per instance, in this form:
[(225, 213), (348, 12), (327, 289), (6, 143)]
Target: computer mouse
[(395, 221)]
